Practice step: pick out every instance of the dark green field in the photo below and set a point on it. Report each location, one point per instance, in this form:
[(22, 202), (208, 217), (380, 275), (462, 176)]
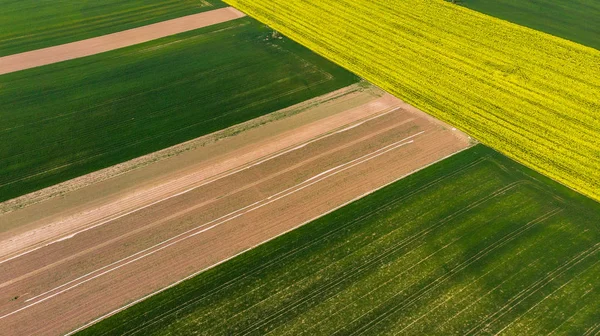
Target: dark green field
[(575, 20), (35, 24), (475, 244), (68, 119)]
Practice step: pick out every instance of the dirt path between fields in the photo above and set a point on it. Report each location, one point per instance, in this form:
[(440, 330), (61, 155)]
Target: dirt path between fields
[(36, 219), (121, 239), (96, 45)]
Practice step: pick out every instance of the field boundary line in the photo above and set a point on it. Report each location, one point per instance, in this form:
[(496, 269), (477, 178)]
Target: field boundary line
[(313, 180), (389, 251), (100, 44), (261, 243), (215, 178), (293, 252)]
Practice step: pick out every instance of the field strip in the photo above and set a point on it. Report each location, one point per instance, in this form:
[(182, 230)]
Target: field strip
[(363, 268), (197, 206), (240, 212), (333, 100), (319, 177), (295, 251), (96, 45), (115, 311), (487, 83), (206, 182)]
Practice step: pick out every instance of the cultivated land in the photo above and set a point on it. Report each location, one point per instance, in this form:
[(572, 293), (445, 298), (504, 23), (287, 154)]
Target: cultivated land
[(212, 210), (67, 119), (475, 244), (33, 24), (37, 219), (575, 20), (530, 95), (96, 45)]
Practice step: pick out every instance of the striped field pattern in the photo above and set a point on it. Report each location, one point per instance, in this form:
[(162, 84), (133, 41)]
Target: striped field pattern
[(532, 96), (34, 24), (473, 245)]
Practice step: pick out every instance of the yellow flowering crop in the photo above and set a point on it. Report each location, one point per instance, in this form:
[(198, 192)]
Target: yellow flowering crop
[(529, 95)]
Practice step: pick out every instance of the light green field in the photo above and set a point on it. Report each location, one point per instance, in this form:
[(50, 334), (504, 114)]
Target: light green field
[(475, 244), (35, 24), (67, 119)]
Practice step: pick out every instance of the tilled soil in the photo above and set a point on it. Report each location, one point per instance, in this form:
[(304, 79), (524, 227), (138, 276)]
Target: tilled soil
[(96, 45), (154, 237)]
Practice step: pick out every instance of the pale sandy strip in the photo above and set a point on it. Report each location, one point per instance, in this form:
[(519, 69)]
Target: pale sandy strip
[(313, 180), (71, 235), (387, 148), (96, 45), (250, 248)]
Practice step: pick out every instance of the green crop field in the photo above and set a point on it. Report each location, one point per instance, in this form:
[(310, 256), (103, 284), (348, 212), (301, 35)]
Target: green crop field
[(575, 20), (475, 244), (68, 119), (35, 24)]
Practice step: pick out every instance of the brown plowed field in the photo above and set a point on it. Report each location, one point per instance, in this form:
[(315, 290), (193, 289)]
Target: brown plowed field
[(209, 211), (96, 45)]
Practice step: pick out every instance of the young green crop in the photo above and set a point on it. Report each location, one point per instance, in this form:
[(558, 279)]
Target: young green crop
[(532, 96), (475, 244), (67, 119), (35, 24)]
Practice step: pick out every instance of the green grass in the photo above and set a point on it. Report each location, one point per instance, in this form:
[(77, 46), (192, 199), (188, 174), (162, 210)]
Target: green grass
[(575, 20), (473, 244), (35, 24), (68, 119)]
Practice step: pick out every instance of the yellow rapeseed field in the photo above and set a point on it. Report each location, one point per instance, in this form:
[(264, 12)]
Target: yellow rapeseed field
[(529, 95)]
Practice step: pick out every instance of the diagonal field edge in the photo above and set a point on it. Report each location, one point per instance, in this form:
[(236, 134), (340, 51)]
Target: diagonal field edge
[(111, 313), (527, 94), (126, 38)]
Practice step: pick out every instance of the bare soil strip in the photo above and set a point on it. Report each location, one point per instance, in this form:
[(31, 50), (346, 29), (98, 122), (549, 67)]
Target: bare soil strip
[(280, 176), (113, 192), (349, 96), (96, 45)]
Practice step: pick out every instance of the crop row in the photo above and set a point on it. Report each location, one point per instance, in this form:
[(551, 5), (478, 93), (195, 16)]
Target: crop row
[(32, 24), (532, 96), (499, 252), (68, 119)]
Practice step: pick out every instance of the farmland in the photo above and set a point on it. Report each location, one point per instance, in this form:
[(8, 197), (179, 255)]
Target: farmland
[(529, 95), (300, 167), (68, 119), (34, 24), (74, 258), (575, 20), (473, 244)]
